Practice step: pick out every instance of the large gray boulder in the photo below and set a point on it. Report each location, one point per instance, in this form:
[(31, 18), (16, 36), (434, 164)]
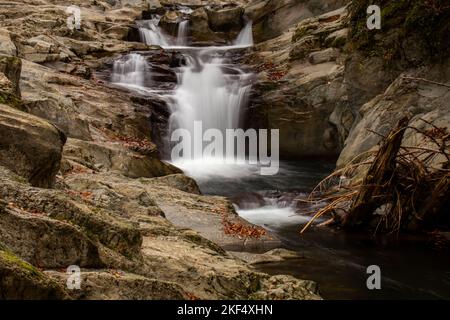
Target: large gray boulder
[(20, 280), (273, 17), (29, 146), (224, 19), (7, 46), (421, 99)]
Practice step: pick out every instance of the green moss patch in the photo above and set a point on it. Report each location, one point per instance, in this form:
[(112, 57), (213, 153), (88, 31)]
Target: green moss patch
[(14, 261), (426, 22), (10, 100)]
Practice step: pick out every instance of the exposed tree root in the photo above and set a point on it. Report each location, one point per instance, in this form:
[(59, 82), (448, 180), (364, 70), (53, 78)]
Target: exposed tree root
[(401, 189)]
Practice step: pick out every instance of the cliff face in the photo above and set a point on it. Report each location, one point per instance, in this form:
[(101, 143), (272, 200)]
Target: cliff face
[(328, 82), (301, 87), (413, 51)]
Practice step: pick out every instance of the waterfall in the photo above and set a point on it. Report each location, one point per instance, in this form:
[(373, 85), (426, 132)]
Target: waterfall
[(150, 33), (213, 90), (130, 70), (206, 93), (210, 89), (183, 30), (245, 37)]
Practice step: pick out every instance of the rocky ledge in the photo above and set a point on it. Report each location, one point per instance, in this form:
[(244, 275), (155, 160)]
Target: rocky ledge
[(81, 182)]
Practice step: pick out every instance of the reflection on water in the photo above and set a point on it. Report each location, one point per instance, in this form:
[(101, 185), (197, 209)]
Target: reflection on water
[(232, 180), (337, 261)]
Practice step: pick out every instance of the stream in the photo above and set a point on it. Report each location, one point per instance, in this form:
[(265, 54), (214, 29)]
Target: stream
[(213, 90)]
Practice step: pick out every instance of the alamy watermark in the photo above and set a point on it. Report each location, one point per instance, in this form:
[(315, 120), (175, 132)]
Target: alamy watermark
[(74, 18), (374, 19), (235, 146), (74, 278), (374, 280)]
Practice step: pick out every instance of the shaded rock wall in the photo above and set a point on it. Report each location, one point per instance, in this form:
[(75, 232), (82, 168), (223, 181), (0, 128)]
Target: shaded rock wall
[(301, 83), (273, 17), (324, 74), (412, 43), (30, 146)]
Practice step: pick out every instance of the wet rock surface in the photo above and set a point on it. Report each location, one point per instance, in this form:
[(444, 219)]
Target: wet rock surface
[(101, 198)]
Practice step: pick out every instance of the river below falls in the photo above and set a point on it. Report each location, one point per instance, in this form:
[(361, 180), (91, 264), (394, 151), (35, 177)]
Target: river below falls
[(212, 89), (410, 267)]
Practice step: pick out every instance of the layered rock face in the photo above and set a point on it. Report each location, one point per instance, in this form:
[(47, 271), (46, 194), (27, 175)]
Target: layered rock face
[(81, 183), (30, 146), (409, 65), (272, 18), (301, 84), (332, 86)]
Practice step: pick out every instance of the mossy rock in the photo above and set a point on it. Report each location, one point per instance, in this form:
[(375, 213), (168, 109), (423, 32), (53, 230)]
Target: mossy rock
[(426, 24), (10, 100), (21, 280)]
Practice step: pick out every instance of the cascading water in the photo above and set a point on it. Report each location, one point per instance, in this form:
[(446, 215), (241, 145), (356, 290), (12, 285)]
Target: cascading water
[(245, 37), (211, 89), (206, 93), (130, 70), (183, 31), (214, 91), (150, 33)]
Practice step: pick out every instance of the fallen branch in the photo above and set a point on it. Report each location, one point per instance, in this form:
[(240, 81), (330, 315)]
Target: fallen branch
[(426, 80)]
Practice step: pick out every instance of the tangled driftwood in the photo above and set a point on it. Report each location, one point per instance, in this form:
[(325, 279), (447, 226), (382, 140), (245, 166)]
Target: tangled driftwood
[(401, 180)]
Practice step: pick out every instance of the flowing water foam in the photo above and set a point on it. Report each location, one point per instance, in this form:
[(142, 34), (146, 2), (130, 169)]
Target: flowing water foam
[(131, 71), (210, 89)]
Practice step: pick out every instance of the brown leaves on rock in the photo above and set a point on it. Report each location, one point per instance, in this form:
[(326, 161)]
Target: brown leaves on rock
[(116, 273), (237, 228), (80, 194), (277, 75), (78, 170), (144, 146), (274, 72), (13, 205), (232, 228), (192, 296)]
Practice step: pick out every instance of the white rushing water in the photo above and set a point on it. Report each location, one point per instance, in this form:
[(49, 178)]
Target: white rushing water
[(274, 214), (210, 89), (273, 217), (245, 37), (183, 33), (130, 70), (213, 91), (151, 33), (206, 93)]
